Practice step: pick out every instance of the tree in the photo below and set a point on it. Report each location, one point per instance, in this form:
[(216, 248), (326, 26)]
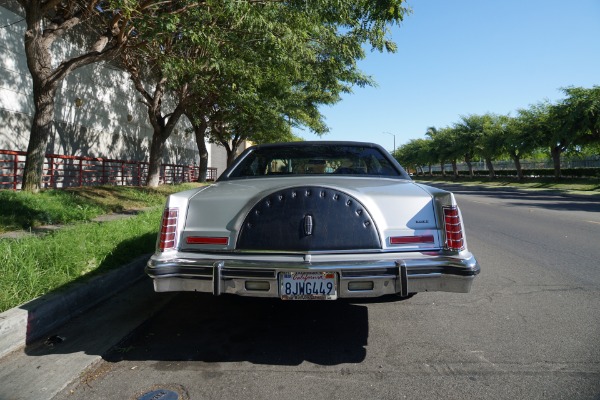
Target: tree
[(468, 132), (438, 152), (183, 61), (216, 34), (520, 139), (455, 149), (104, 32), (265, 113), (573, 121), (156, 90), (545, 121), (260, 68), (444, 147), (307, 61), (415, 154), (490, 144), (581, 111), (162, 124), (169, 62)]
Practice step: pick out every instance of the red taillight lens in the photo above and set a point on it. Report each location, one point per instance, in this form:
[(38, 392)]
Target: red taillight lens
[(411, 239), (168, 230), (453, 227), (207, 240)]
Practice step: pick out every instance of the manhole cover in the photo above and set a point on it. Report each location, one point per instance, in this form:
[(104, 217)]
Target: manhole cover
[(160, 394)]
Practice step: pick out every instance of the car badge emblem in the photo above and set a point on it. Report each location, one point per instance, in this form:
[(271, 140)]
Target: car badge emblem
[(308, 225)]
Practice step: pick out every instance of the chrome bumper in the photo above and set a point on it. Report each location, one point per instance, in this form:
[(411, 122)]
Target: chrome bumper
[(257, 276)]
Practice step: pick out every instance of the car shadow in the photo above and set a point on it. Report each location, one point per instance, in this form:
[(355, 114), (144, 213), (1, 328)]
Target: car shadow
[(197, 327)]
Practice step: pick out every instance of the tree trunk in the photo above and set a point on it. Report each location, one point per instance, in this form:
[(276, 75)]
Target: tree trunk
[(162, 131), (470, 166), (162, 125), (468, 161), (556, 152), (430, 170), (47, 73), (155, 158), (203, 166), (41, 130), (230, 155), (488, 162), (200, 134), (442, 164), (517, 161), (230, 147), (159, 138), (455, 169), (39, 61)]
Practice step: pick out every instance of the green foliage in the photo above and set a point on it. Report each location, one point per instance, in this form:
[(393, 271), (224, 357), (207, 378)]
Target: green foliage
[(468, 133), (535, 173), (445, 145), (490, 144), (23, 210), (33, 266), (413, 154), (37, 264), (521, 136), (258, 69), (570, 126), (579, 114)]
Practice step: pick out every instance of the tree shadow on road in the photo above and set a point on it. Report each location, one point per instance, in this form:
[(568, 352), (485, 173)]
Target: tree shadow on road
[(544, 199)]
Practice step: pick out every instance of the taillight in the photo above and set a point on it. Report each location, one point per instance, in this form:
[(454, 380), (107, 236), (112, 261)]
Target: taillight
[(411, 239), (453, 227), (223, 241), (168, 229)]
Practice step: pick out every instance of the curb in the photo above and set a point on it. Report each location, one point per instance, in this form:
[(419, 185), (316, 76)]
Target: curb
[(31, 321)]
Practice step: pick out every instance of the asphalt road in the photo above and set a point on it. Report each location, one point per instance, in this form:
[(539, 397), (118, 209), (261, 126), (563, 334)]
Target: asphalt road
[(530, 329)]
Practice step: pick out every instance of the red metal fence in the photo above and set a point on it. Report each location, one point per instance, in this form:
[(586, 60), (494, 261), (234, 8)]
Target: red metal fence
[(62, 171)]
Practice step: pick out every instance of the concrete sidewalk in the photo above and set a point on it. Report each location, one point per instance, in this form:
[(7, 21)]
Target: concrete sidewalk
[(46, 344)]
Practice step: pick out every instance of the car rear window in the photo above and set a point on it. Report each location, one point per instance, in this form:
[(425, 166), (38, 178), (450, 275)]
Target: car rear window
[(314, 160)]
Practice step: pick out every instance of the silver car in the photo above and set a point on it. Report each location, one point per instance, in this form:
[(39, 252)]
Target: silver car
[(313, 221)]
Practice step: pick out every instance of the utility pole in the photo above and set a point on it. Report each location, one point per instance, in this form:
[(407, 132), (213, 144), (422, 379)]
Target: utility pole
[(394, 149)]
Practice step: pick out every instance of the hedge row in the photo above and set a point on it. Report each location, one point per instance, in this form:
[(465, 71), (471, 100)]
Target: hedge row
[(541, 172)]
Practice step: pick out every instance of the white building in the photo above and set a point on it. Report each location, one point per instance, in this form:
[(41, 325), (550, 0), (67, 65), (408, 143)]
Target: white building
[(97, 112)]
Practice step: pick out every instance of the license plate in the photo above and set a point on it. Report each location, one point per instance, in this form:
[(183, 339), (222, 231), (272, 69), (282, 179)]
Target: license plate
[(308, 286)]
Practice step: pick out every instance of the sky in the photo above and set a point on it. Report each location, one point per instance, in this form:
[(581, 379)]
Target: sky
[(468, 57)]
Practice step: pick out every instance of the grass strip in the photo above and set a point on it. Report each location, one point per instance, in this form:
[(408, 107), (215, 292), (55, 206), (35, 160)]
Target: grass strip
[(22, 210), (33, 266), (579, 186)]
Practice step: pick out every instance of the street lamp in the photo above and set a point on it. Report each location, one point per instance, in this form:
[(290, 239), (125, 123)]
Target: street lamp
[(389, 133)]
